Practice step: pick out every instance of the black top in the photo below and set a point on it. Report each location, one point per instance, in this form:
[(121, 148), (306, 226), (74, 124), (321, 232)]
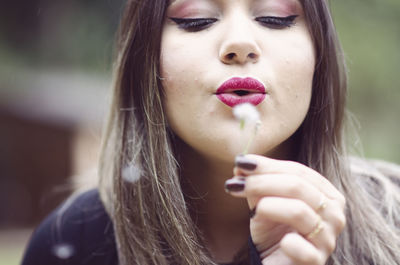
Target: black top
[(81, 234)]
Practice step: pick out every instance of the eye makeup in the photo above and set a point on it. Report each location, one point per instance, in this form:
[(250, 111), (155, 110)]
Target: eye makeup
[(196, 15), (193, 15), (192, 9), (276, 22), (276, 8), (193, 24)]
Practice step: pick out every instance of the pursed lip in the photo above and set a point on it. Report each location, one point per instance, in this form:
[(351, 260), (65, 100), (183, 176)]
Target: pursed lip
[(241, 90)]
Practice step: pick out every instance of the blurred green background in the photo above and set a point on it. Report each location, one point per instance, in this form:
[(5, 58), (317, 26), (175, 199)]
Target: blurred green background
[(370, 34), (56, 55)]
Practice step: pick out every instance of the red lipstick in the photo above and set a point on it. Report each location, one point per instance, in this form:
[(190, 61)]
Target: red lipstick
[(241, 90)]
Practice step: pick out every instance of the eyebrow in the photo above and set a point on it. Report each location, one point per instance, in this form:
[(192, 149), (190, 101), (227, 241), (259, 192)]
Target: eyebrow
[(286, 1), (170, 2)]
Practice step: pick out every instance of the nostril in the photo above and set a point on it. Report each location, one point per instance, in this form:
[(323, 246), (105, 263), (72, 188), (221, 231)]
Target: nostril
[(240, 57), (230, 56), (252, 55)]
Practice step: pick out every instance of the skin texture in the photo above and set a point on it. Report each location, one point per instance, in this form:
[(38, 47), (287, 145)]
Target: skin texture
[(195, 64), (286, 195)]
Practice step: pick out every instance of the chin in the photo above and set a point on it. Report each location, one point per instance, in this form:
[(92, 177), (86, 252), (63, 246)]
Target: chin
[(226, 141), (226, 151)]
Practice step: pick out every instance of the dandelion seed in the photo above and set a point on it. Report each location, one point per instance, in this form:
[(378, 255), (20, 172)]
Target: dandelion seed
[(63, 251), (131, 173), (246, 113), (249, 118)]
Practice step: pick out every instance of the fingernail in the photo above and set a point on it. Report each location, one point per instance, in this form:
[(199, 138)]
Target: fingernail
[(252, 212), (235, 184), (245, 163)]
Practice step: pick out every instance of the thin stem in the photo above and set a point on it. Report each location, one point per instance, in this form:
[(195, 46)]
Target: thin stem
[(246, 149)]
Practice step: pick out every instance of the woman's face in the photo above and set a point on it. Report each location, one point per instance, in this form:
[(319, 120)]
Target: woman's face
[(218, 53)]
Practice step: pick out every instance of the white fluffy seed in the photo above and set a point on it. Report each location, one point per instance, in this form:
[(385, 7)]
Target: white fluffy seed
[(63, 251), (131, 173), (246, 113)]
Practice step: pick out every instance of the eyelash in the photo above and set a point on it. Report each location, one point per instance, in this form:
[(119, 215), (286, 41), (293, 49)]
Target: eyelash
[(197, 24), (194, 24), (277, 22)]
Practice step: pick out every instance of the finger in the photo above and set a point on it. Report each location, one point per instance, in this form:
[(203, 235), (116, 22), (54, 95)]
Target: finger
[(254, 188), (294, 213), (235, 186), (301, 251), (284, 185), (313, 229), (334, 214), (323, 238), (265, 165)]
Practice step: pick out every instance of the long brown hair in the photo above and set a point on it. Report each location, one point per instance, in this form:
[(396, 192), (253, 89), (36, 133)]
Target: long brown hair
[(151, 220)]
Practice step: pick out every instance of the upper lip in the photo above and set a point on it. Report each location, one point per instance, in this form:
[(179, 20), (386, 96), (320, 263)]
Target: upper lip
[(241, 86)]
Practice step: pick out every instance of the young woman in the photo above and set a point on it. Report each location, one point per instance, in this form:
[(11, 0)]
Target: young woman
[(171, 145)]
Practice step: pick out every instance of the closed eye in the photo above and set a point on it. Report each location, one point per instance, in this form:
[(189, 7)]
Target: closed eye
[(193, 24), (277, 22)]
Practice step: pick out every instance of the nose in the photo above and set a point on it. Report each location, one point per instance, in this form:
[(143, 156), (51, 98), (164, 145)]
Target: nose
[(239, 53), (239, 46)]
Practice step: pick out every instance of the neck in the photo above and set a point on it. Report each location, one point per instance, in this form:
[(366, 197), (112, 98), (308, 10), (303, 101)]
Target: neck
[(222, 218)]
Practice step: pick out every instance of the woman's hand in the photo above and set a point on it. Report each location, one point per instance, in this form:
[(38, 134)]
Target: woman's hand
[(297, 214)]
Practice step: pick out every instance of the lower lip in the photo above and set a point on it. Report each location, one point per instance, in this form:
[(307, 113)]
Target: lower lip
[(231, 99)]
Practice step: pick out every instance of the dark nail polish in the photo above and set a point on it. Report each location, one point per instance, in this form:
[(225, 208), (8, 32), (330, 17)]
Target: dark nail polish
[(234, 185), (252, 212), (245, 163)]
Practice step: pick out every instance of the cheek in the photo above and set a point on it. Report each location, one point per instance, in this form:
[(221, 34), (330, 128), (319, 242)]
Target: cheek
[(177, 85), (177, 56), (177, 68), (291, 84), (298, 81), (298, 71), (173, 75), (170, 71)]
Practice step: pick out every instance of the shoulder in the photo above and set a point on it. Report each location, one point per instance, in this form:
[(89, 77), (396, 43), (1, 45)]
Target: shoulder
[(77, 232), (380, 182), (365, 169)]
